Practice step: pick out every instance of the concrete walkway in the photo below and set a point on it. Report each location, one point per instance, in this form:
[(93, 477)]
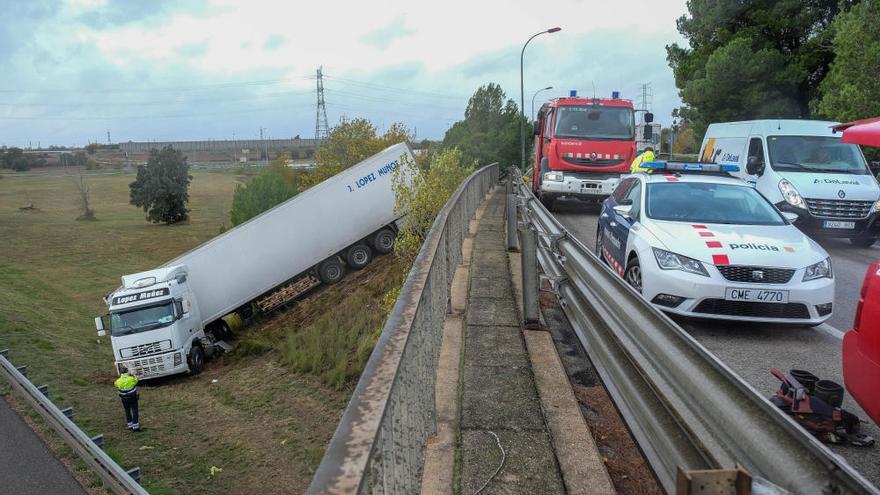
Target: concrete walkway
[(500, 403)]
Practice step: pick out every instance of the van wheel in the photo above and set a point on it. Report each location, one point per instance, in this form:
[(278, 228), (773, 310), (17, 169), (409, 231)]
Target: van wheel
[(331, 271), (221, 330), (863, 242), (383, 241), (196, 360), (358, 256)]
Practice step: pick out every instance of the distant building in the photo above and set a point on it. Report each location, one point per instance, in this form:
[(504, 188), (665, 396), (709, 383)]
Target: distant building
[(237, 145)]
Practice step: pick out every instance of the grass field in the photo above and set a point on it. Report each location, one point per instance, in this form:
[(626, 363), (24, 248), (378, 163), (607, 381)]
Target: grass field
[(267, 418)]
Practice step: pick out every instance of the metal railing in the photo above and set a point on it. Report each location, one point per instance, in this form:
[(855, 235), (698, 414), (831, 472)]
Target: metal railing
[(115, 478), (685, 408), (379, 444)]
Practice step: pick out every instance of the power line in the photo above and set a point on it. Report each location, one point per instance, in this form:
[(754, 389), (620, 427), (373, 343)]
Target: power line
[(157, 102), (230, 84), (275, 108), (395, 89)]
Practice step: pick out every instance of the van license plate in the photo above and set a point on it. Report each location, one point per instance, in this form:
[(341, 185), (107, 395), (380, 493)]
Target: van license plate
[(756, 295), (836, 224)]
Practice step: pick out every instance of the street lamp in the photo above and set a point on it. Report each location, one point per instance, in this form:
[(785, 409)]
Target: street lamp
[(533, 99), (522, 97)]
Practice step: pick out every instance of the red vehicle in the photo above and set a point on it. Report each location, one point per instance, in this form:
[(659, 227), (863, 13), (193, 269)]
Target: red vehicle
[(582, 146), (861, 345)]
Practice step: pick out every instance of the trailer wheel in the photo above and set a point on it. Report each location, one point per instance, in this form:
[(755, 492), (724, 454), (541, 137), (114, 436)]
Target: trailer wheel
[(383, 241), (358, 256), (196, 360), (331, 271)]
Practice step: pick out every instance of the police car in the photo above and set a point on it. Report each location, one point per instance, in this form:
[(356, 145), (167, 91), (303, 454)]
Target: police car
[(698, 242)]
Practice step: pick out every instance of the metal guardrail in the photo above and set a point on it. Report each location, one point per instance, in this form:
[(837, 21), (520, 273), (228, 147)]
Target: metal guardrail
[(684, 407), (379, 444), (115, 478)]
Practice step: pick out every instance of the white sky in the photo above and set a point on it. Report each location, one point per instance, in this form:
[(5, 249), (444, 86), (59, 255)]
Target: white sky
[(213, 68)]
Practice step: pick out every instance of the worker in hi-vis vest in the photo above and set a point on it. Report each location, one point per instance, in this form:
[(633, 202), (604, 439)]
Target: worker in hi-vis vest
[(127, 386), (645, 157)]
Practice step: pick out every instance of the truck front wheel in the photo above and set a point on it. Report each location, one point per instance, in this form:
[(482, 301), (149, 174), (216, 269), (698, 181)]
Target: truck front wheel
[(196, 360), (383, 241), (331, 271), (358, 256)]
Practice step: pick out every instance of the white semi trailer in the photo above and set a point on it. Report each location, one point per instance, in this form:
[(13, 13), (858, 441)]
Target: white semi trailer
[(168, 320)]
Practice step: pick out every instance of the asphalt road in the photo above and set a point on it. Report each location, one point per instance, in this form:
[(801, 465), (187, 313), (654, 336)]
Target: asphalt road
[(752, 350), (26, 464)]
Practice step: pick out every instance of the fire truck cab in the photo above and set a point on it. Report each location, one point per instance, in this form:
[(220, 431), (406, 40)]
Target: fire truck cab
[(582, 146)]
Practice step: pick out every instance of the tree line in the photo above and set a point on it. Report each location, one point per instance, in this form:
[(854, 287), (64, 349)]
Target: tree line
[(757, 59)]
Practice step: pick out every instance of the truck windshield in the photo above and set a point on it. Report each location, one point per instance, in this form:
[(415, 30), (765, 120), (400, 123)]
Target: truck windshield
[(594, 122), (822, 154), (141, 319), (699, 202)]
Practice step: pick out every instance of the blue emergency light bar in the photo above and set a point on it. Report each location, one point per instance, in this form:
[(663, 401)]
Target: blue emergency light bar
[(690, 167)]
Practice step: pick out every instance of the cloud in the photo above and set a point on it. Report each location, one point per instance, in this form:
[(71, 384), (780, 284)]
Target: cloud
[(383, 37)]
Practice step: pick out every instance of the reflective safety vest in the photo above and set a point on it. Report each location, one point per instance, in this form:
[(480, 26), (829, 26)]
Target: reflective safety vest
[(126, 384), (636, 166)]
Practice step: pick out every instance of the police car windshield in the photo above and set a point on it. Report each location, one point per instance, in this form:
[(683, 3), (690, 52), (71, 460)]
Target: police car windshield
[(141, 319), (702, 202), (822, 154), (594, 122)]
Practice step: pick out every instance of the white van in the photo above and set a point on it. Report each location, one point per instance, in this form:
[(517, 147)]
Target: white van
[(802, 167)]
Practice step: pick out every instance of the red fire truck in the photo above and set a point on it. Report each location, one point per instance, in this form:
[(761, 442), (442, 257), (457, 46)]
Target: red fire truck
[(582, 146)]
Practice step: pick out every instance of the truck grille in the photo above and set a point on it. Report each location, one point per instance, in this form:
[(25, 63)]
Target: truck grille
[(750, 274), (753, 309), (150, 366), (839, 208), (145, 349), (586, 162)]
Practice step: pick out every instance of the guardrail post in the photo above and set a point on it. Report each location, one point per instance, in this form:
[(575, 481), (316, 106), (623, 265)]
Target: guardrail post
[(68, 411), (511, 222), (529, 251), (135, 473), (22, 370), (99, 440), (44, 389)]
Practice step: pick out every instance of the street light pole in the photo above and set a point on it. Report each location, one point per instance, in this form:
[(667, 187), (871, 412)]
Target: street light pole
[(522, 98), (533, 99)]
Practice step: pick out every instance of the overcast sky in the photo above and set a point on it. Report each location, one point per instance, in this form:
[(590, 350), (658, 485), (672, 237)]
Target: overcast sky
[(71, 70)]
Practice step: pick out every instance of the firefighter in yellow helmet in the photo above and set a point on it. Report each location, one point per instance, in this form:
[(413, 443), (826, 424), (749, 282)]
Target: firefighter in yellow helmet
[(645, 157), (126, 385)]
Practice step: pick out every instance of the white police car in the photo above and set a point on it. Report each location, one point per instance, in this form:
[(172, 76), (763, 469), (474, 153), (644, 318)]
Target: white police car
[(698, 242)]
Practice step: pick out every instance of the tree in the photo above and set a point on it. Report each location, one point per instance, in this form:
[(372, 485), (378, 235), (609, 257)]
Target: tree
[(851, 90), (275, 185), (490, 131), (85, 200), (162, 186), (10, 156), (791, 38)]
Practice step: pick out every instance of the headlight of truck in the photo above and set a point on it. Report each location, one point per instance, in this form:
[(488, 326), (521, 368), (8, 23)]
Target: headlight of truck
[(553, 176), (821, 269), (791, 195), (672, 261), (876, 207)]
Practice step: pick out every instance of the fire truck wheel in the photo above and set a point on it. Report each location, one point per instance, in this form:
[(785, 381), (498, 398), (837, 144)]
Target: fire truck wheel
[(358, 256)]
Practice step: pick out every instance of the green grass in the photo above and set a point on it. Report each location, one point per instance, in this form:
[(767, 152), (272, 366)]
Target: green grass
[(263, 422)]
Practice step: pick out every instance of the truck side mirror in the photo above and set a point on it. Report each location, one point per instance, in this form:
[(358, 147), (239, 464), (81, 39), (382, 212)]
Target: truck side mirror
[(649, 132), (177, 309), (649, 117), (99, 325), (754, 166), (536, 127)]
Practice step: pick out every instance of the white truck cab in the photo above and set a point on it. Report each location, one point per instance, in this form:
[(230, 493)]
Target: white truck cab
[(155, 324), (802, 167)]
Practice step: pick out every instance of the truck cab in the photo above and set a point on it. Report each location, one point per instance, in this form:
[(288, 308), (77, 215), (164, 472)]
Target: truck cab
[(582, 146), (155, 326)]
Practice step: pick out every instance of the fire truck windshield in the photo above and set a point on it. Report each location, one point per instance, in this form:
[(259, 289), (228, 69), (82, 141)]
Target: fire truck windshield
[(594, 122)]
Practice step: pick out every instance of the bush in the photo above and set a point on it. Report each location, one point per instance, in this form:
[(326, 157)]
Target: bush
[(162, 186), (275, 185)]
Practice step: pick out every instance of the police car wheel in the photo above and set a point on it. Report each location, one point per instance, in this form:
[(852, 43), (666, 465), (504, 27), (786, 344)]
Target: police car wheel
[(196, 360), (862, 241), (599, 246), (633, 274)]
